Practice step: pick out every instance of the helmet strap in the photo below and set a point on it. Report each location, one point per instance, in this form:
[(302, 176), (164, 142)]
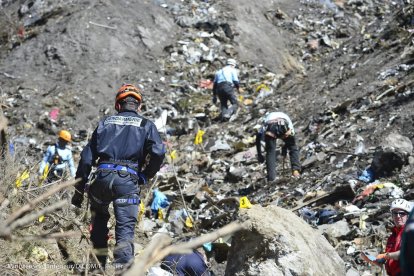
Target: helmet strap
[(117, 107)]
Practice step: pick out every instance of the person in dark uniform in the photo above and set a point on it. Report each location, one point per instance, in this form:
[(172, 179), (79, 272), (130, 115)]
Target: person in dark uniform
[(192, 264), (127, 150)]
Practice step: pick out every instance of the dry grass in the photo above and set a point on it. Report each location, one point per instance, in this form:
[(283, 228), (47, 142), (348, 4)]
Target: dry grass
[(35, 256)]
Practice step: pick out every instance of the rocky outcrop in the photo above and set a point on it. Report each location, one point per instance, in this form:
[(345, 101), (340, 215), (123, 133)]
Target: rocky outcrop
[(391, 155), (277, 242)]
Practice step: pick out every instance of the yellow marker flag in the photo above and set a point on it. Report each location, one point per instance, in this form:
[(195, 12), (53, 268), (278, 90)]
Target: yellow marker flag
[(160, 214), (262, 86), (45, 171), (245, 203), (141, 211), (173, 154), (189, 222), (241, 98), (44, 175), (20, 178), (199, 137), (41, 218)]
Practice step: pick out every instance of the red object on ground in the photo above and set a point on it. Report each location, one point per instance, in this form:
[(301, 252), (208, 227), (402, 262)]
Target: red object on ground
[(206, 84), (54, 113), (20, 32)]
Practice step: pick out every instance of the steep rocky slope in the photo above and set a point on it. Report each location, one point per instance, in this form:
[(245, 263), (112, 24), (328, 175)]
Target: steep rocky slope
[(342, 70)]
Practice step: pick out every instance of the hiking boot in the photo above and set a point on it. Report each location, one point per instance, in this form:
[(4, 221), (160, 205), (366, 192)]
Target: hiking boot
[(234, 116), (295, 174)]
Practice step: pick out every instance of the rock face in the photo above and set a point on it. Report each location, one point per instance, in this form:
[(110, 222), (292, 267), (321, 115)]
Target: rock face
[(277, 242), (392, 155)]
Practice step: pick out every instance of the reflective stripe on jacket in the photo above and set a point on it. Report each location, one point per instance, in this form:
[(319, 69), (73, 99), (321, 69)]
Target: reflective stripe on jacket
[(126, 137)]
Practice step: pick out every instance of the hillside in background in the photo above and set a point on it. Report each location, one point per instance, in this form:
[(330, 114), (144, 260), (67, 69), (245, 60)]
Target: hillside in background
[(342, 70)]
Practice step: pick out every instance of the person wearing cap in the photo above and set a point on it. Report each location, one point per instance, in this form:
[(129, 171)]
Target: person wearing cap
[(277, 125), (400, 208), (126, 149), (225, 81), (57, 159)]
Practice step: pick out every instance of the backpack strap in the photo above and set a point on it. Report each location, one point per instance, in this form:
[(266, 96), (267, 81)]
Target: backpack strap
[(57, 159)]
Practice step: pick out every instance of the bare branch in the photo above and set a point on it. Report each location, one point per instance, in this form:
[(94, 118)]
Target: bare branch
[(50, 236), (29, 206), (29, 218)]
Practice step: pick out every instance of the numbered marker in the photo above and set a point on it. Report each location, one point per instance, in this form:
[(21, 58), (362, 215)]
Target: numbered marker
[(245, 203)]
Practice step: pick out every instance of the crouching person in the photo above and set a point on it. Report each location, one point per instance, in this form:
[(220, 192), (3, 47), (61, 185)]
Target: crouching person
[(193, 264), (278, 125)]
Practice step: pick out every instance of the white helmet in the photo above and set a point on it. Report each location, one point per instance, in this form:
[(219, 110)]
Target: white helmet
[(231, 61), (401, 204)]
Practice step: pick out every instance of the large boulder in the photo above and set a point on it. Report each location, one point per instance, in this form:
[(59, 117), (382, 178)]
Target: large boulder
[(277, 242), (392, 155)]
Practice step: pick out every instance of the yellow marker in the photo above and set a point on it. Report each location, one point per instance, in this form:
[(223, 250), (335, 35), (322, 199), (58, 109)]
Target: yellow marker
[(262, 86), (141, 211), (41, 218), (46, 171), (241, 98), (160, 214), (19, 181), (44, 175), (245, 203), (199, 137), (189, 222), (173, 154)]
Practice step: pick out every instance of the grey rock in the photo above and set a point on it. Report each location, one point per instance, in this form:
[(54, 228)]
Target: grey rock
[(277, 242)]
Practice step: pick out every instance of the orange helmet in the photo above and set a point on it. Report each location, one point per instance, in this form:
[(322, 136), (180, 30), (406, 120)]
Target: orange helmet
[(65, 135), (125, 91)]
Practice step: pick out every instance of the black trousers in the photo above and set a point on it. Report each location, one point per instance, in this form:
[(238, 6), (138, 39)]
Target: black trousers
[(225, 92), (123, 192), (271, 155)]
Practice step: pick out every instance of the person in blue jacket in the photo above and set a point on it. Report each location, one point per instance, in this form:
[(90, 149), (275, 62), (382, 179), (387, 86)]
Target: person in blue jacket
[(225, 81), (58, 159), (127, 150)]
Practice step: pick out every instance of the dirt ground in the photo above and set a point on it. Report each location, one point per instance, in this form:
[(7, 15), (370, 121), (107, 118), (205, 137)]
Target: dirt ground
[(334, 59)]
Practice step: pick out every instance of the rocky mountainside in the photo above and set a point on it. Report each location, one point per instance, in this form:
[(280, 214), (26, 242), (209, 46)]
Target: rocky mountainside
[(342, 70)]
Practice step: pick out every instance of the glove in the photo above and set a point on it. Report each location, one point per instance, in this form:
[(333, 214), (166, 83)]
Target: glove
[(214, 99), (382, 256), (77, 199), (261, 158)]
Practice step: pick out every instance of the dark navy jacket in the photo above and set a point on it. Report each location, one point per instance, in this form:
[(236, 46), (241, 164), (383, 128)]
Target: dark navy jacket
[(126, 137), (186, 264)]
